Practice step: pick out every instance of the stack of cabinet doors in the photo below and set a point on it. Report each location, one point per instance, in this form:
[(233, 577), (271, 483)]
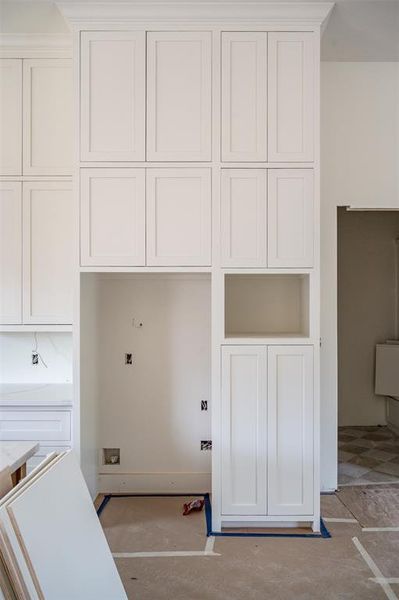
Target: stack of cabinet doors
[(36, 215), (185, 131)]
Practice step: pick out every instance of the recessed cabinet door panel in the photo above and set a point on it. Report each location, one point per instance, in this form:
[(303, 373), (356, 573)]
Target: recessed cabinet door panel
[(49, 244), (179, 96), (290, 218), (290, 430), (113, 96), (10, 116), (291, 96), (10, 253), (178, 217), (244, 426), (113, 217), (243, 218), (48, 122), (244, 96)]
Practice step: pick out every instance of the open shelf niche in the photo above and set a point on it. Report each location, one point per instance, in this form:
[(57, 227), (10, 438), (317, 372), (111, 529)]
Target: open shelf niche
[(266, 305)]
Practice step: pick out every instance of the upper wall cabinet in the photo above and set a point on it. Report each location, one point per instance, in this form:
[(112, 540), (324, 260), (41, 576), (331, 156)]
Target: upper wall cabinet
[(178, 217), (10, 252), (291, 78), (10, 117), (290, 218), (179, 96), (112, 96), (113, 217), (244, 96), (48, 258), (244, 218), (48, 105)]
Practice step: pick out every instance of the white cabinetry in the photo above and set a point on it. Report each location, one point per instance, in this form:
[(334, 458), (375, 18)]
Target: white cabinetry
[(10, 116), (48, 127), (112, 96), (48, 252), (178, 217), (244, 96), (290, 218), (179, 68), (290, 430), (113, 217), (244, 218), (11, 252), (291, 84), (244, 430), (267, 431)]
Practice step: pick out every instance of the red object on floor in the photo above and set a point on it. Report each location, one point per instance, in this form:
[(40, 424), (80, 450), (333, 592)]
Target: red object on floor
[(194, 505)]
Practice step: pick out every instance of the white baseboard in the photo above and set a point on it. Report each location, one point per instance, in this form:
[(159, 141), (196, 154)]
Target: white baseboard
[(154, 483)]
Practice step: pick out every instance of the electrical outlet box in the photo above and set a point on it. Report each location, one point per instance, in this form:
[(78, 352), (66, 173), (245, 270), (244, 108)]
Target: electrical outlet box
[(206, 445), (35, 358), (128, 359), (111, 456)]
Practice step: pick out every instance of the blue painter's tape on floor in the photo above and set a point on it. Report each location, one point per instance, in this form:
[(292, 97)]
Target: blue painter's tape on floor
[(324, 533)]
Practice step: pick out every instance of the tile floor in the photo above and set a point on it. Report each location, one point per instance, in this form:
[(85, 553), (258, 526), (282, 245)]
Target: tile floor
[(367, 455)]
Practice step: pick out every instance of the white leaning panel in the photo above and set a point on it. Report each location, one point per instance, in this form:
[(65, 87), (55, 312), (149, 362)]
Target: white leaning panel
[(62, 540)]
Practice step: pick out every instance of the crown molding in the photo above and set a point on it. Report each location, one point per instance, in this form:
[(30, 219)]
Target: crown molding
[(90, 13), (35, 45)]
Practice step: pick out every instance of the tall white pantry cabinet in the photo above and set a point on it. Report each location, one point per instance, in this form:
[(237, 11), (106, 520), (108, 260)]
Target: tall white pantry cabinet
[(198, 127)]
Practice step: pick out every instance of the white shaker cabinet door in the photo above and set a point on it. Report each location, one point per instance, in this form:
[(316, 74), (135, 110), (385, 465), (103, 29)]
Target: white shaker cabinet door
[(291, 85), (48, 121), (112, 211), (178, 217), (10, 253), (244, 96), (244, 218), (291, 219), (179, 72), (10, 116), (112, 96), (244, 430), (48, 252), (290, 430)]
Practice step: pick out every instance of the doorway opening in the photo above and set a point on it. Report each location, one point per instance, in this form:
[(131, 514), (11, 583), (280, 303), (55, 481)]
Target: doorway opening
[(368, 309)]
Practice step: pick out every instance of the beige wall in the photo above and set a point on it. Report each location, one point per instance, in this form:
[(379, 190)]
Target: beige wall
[(366, 309)]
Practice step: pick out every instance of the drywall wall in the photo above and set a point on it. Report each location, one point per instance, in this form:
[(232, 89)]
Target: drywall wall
[(31, 17), (16, 358), (367, 309), (151, 409), (359, 158)]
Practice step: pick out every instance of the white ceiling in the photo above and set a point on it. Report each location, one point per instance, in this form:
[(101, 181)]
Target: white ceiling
[(358, 30)]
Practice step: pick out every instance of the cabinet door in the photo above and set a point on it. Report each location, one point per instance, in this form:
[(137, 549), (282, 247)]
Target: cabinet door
[(48, 122), (179, 96), (10, 253), (244, 426), (48, 259), (112, 96), (244, 96), (10, 116), (291, 96), (113, 217), (290, 218), (178, 217), (290, 430), (243, 218)]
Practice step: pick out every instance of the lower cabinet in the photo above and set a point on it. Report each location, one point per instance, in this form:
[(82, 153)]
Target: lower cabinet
[(267, 430)]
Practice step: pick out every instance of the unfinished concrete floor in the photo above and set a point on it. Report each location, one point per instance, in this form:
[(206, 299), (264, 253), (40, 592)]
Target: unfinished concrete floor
[(145, 535)]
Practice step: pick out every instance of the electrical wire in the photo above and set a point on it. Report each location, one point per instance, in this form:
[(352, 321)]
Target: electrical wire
[(36, 351)]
